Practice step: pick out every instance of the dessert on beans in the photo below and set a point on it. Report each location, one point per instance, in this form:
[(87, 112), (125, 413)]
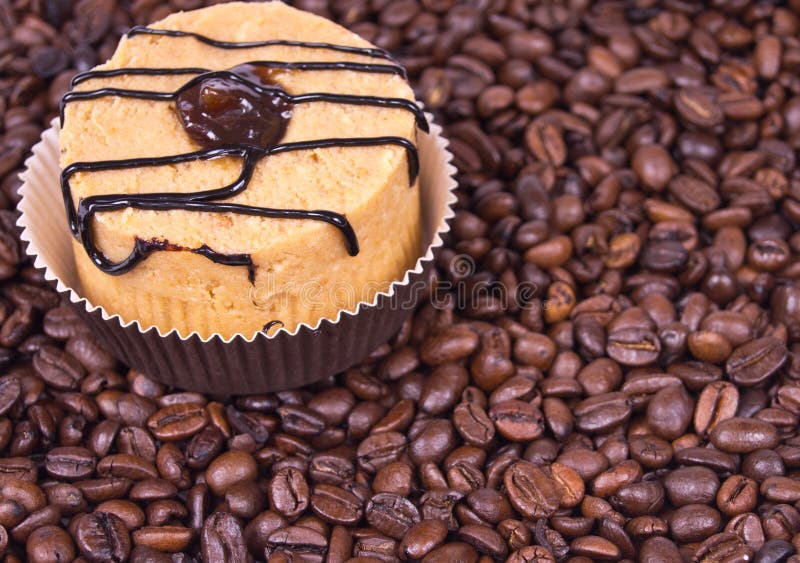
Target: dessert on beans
[(608, 367)]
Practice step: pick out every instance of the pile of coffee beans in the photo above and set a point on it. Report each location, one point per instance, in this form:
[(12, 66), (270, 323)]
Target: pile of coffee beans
[(610, 369)]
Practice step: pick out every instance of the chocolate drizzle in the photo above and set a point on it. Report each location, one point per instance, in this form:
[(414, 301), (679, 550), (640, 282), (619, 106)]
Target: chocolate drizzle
[(244, 76), (282, 65), (271, 324), (376, 101), (373, 52)]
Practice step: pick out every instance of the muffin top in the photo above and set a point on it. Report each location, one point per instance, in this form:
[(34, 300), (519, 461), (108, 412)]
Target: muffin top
[(242, 125)]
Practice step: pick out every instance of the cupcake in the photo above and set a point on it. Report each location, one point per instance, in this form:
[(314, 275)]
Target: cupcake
[(251, 198), (241, 168)]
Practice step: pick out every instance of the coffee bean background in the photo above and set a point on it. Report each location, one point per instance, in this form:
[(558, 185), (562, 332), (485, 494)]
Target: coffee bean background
[(614, 375)]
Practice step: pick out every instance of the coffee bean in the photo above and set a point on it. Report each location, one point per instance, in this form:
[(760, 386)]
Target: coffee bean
[(178, 422), (449, 345), (58, 368), (454, 551), (229, 468), (99, 490), (221, 539), (756, 361), (163, 538), (724, 546), (669, 412), (699, 106), (127, 511), (128, 466), (442, 389), (473, 424), (435, 441), (50, 543), (70, 463), (546, 143), (695, 194), (532, 493), (299, 541), (691, 485), (654, 167), (595, 548), (484, 539), (391, 514), (379, 449), (288, 492), (633, 346), (336, 505), (639, 499), (744, 435), (602, 412), (761, 464), (531, 553), (717, 402), (517, 420), (737, 495), (422, 538), (102, 537)]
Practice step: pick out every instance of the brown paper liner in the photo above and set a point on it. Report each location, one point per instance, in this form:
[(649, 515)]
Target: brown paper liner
[(238, 365)]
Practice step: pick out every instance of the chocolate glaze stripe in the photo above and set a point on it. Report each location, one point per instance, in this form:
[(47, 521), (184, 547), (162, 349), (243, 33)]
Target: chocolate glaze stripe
[(132, 71), (373, 52), (91, 205), (229, 260), (337, 66), (209, 154), (271, 324), (375, 101)]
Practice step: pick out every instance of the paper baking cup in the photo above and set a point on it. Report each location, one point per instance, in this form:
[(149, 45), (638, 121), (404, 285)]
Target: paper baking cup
[(238, 365)]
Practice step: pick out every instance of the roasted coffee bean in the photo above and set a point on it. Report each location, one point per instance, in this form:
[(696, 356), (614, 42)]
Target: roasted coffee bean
[(70, 463), (229, 468), (57, 368), (691, 485), (442, 389), (717, 402), (336, 505), (633, 346), (422, 538), (693, 522), (473, 425), (391, 514), (724, 546), (178, 422), (99, 490), (50, 543), (669, 412), (761, 464), (299, 541), (744, 435), (531, 491), (379, 449), (484, 539), (288, 492), (639, 499), (517, 420), (756, 361), (128, 466), (434, 442), (737, 495), (221, 539), (102, 537)]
